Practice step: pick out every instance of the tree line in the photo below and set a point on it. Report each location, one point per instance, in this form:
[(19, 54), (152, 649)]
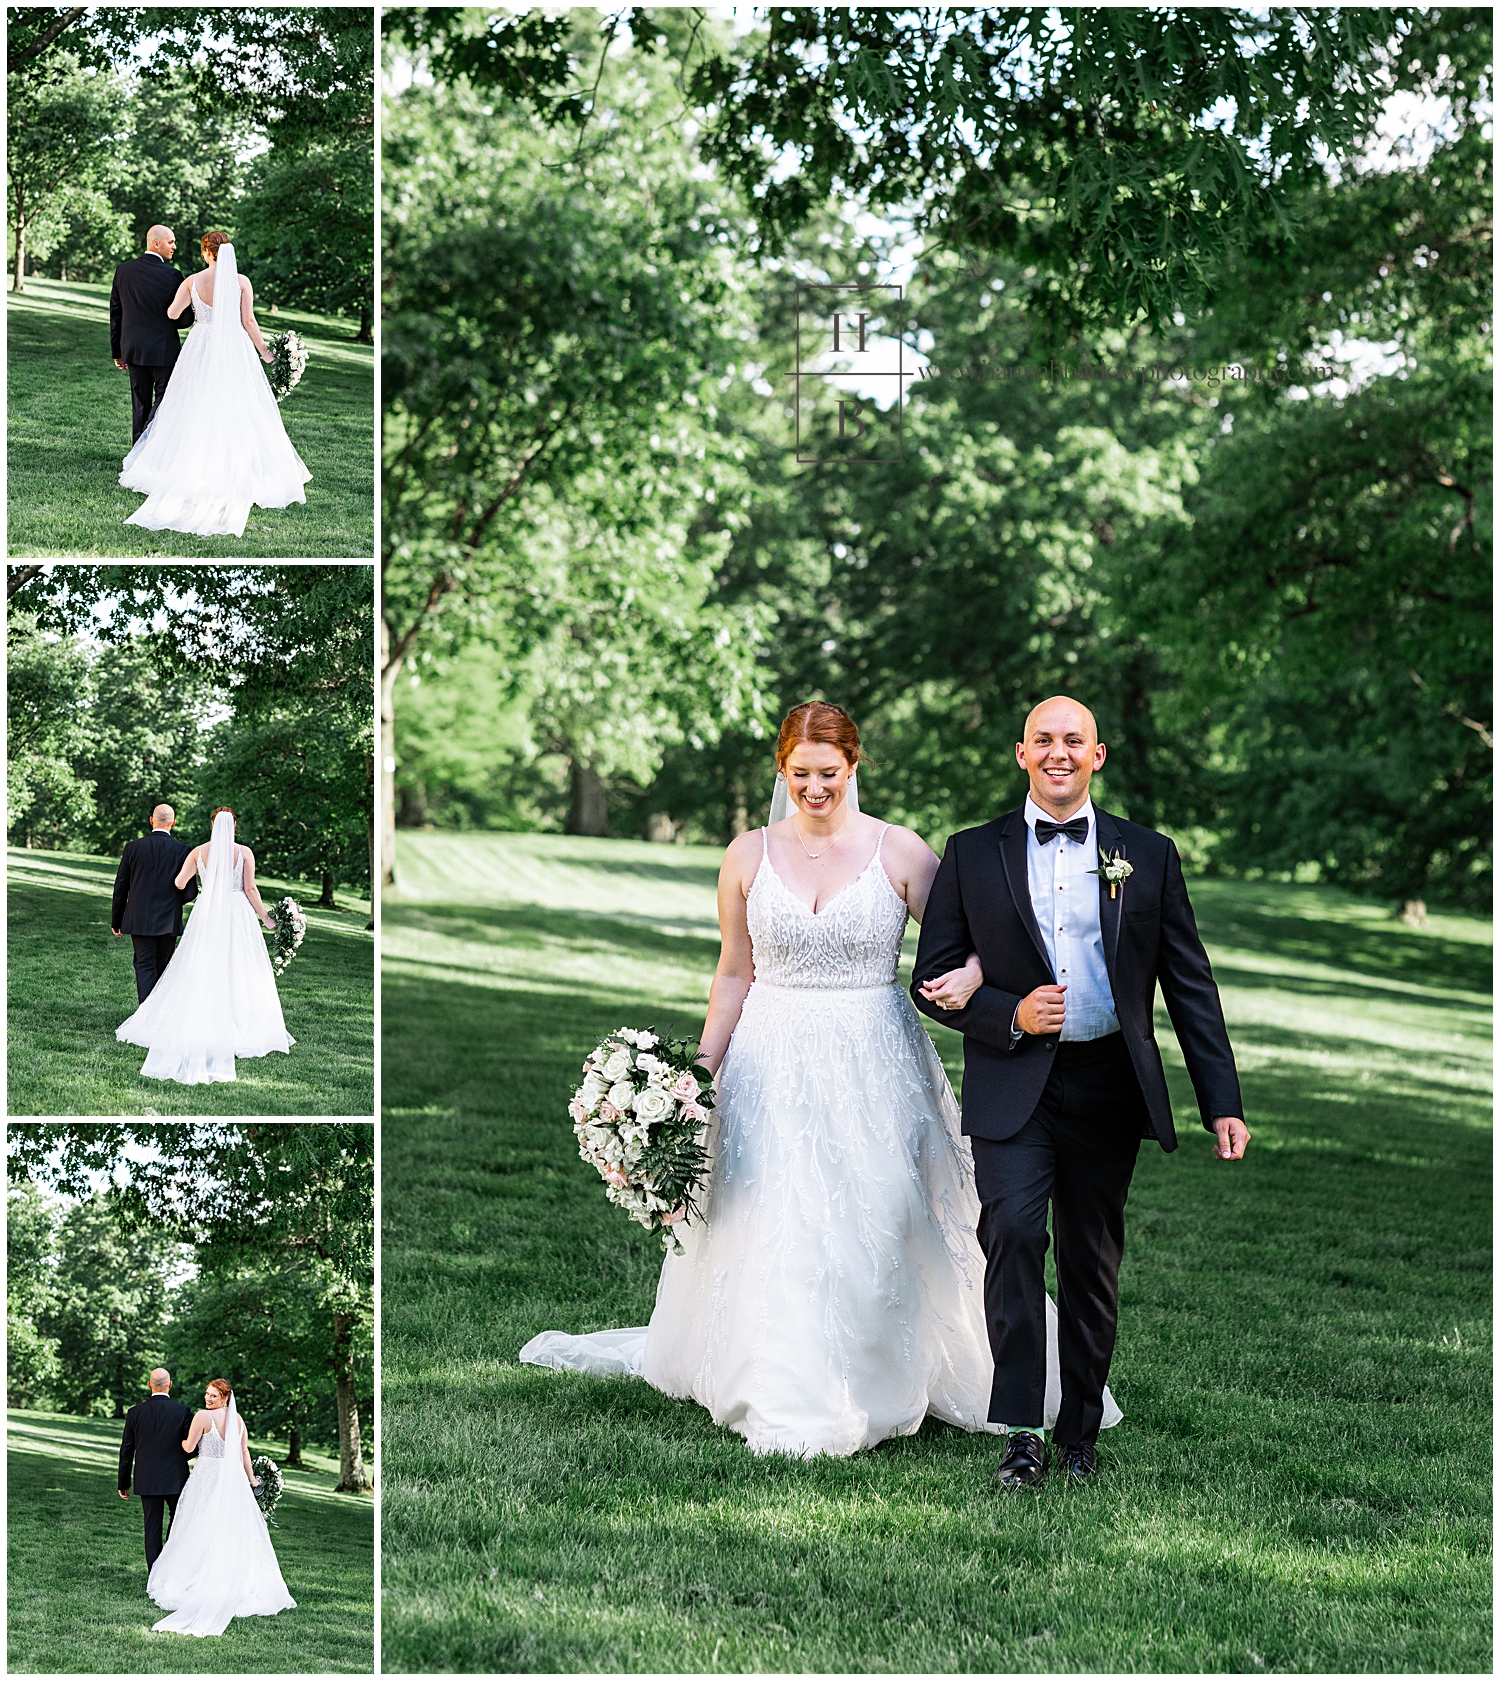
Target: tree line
[(197, 686), (606, 575), (255, 120), (238, 1252)]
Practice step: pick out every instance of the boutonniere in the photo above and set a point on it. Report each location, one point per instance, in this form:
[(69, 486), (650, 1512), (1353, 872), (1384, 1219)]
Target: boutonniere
[(1113, 868)]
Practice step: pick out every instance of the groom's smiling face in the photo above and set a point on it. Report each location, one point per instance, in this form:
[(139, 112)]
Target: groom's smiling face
[(1059, 754)]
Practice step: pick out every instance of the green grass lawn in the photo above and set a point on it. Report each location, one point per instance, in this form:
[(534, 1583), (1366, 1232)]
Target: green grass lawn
[(70, 431), (1302, 1480), (72, 984), (76, 1577)]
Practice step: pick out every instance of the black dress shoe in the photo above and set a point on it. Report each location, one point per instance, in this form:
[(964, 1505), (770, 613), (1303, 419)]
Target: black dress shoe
[(1025, 1462), (1078, 1464)]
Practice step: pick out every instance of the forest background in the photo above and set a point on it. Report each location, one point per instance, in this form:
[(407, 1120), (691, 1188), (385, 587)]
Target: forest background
[(237, 1251), (607, 575), (196, 686), (255, 120)]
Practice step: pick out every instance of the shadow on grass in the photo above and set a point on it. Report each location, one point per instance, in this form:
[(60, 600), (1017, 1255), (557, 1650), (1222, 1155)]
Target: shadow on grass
[(71, 984), (76, 1580), (1301, 1480), (1278, 922)]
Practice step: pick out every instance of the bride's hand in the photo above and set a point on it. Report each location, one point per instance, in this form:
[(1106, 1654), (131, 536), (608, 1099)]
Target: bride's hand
[(954, 990), (266, 922), (267, 357)]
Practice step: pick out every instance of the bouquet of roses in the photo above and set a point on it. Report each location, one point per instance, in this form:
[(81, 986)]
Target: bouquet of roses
[(639, 1117), (269, 1491), (291, 930), (288, 359)]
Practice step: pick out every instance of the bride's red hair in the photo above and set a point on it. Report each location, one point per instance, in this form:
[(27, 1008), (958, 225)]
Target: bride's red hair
[(820, 721), (212, 242), (222, 1387)]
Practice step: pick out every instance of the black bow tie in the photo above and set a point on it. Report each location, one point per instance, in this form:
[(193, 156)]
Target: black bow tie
[(1076, 829)]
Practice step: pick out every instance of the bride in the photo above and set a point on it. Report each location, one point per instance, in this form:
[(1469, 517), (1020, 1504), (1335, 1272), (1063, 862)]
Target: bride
[(218, 1562), (215, 443), (833, 1295), (216, 999)]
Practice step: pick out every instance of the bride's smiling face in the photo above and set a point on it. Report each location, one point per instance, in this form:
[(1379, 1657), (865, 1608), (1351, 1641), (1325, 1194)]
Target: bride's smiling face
[(817, 776), (213, 1400)]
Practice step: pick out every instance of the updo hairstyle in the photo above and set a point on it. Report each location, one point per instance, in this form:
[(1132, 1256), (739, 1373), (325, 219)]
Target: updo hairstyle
[(217, 809), (212, 242), (820, 721), (223, 1389)]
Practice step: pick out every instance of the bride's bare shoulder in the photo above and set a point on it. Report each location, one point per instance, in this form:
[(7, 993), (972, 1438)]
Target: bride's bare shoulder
[(742, 850), (903, 845)]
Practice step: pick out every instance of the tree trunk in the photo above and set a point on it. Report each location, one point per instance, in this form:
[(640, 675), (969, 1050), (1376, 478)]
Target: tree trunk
[(326, 902), (588, 814), (364, 336), (389, 670), (352, 1478), (294, 1450), (370, 834), (17, 283)]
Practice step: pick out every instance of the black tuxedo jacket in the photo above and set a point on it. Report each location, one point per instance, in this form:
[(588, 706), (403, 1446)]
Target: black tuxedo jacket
[(981, 902), (140, 333), (147, 898), (154, 1433)]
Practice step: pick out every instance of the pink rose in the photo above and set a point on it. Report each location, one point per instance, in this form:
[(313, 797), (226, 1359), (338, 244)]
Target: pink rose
[(695, 1112), (672, 1218), (608, 1112), (685, 1088), (579, 1110), (616, 1178)]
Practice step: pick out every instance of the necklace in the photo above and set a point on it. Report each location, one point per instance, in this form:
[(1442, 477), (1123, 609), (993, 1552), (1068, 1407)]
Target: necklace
[(829, 848)]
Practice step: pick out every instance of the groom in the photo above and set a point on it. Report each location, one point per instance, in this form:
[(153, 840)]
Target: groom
[(148, 902), (142, 339), (154, 1432), (1062, 1075)]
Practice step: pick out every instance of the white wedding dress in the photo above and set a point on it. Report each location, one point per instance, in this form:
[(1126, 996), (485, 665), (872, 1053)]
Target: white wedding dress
[(216, 443), (217, 998), (834, 1293), (218, 1561)]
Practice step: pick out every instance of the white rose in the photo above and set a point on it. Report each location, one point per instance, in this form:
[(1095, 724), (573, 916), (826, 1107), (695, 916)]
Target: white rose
[(645, 1040), (647, 1061), (653, 1105), (592, 1089), (617, 1067), (622, 1095)]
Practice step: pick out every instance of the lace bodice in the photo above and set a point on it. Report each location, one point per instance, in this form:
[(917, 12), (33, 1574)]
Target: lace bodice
[(854, 941), (203, 312), (237, 876), (211, 1445)]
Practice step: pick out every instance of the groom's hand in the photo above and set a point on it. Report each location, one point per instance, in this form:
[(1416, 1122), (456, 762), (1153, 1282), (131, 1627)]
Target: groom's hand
[(120, 364), (1042, 1011), (124, 1493), (1233, 1136), (115, 932)]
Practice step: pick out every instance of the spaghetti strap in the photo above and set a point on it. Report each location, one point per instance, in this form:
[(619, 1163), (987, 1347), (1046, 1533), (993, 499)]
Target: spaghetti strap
[(881, 842), (765, 843)]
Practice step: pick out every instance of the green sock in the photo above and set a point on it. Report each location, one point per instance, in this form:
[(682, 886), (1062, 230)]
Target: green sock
[(1024, 1430)]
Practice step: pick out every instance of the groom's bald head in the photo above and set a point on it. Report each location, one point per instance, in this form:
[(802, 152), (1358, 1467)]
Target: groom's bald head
[(160, 1381), (1062, 714), (163, 817), (161, 240)]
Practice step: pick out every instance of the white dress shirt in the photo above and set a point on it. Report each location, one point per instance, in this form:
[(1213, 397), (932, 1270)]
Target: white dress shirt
[(1065, 898)]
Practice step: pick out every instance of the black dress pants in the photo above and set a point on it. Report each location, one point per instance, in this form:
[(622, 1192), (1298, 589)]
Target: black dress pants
[(1078, 1152), (153, 952), (147, 388), (151, 1505)]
